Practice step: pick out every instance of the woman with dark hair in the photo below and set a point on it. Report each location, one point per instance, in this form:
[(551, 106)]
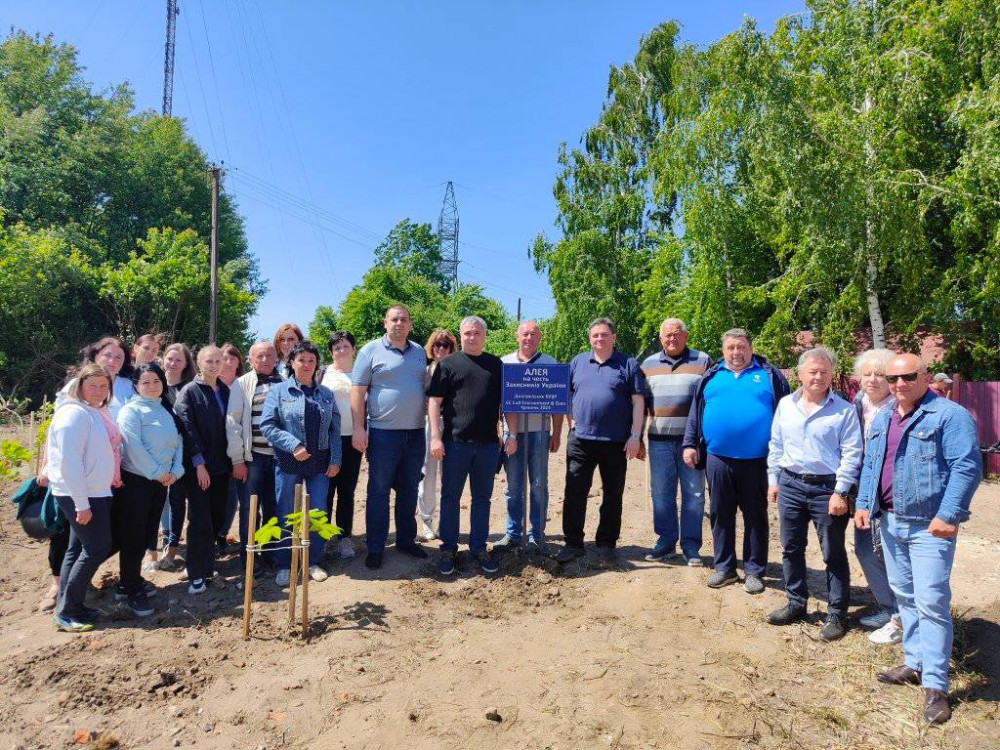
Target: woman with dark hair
[(153, 461), (109, 352), (145, 350), (285, 339), (80, 468), (337, 378), (439, 345), (232, 368), (301, 422), (232, 364), (201, 408), (179, 367)]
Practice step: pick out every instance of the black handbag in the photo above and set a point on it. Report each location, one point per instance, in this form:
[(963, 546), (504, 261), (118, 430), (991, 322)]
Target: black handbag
[(37, 510)]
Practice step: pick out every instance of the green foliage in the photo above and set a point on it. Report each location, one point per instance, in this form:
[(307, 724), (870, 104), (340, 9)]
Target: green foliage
[(12, 456), (95, 202), (839, 175), (271, 531), (324, 323), (400, 275)]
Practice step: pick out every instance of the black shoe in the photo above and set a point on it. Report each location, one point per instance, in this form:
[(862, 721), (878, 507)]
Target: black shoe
[(833, 629), (148, 589), (413, 550), (486, 561), (221, 546), (786, 615), (569, 553), (446, 563), (140, 605), (607, 554), (373, 561)]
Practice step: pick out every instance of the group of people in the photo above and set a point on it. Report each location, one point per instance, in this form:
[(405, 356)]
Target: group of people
[(128, 434)]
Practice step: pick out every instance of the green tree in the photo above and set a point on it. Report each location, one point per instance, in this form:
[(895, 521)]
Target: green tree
[(415, 248)]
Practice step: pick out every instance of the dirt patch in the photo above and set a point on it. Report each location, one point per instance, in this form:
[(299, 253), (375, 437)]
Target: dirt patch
[(633, 655)]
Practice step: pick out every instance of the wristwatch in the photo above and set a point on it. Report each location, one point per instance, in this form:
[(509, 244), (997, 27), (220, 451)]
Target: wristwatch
[(507, 436), (636, 435)]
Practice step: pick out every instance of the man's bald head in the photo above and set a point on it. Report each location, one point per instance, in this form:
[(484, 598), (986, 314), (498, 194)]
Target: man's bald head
[(911, 380), (263, 357)]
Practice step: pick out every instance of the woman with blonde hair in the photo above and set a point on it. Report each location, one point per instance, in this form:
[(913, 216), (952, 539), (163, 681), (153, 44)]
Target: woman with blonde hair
[(440, 344), (80, 468), (869, 369)]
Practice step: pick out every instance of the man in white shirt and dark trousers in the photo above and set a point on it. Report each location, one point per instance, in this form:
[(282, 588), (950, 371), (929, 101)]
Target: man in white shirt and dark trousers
[(813, 460)]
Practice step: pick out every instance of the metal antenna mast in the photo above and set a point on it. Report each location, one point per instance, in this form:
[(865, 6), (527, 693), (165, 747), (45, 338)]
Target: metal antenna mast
[(168, 57), (448, 237)]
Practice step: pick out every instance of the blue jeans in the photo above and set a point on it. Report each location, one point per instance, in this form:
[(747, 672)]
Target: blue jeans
[(873, 565), (395, 461), (317, 486), (260, 482), (89, 546), (919, 567), (538, 480), (666, 469), (476, 462)]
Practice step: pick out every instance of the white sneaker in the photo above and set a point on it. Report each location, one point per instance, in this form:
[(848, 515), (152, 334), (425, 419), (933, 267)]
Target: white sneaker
[(197, 586), (345, 548), (426, 532), (283, 577), (317, 573), (890, 633)]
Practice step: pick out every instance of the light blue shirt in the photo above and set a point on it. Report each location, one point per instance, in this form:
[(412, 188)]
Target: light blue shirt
[(153, 446), (828, 441), (395, 381)]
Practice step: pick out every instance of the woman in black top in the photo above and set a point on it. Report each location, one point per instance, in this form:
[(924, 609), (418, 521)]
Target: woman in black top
[(178, 366), (201, 408)]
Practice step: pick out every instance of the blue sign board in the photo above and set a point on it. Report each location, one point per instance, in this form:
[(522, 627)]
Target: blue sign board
[(535, 389)]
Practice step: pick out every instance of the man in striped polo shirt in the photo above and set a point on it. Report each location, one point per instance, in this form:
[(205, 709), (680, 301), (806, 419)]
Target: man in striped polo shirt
[(672, 376)]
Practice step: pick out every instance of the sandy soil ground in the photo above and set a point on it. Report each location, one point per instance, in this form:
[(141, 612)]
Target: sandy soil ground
[(638, 655)]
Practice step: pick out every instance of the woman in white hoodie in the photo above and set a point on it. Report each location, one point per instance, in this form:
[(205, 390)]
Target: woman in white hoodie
[(80, 469)]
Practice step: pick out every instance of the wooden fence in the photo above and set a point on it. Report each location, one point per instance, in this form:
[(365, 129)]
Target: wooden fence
[(983, 400)]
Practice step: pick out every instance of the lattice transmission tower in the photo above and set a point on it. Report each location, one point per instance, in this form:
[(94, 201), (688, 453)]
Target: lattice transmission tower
[(448, 237), (168, 57)]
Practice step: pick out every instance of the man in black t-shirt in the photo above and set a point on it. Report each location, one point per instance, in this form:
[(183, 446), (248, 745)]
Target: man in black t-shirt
[(465, 391)]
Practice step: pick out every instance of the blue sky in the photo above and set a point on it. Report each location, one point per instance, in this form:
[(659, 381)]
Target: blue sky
[(336, 120)]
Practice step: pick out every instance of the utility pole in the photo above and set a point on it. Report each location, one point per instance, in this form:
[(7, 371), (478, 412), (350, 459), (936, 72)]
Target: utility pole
[(168, 57), (213, 301)]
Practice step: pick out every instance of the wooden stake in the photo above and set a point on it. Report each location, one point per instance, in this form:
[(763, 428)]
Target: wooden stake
[(293, 574), (304, 533), (248, 579)]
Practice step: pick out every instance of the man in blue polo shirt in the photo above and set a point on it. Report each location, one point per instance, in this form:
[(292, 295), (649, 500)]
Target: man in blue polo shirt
[(607, 404), (388, 396), (727, 433)]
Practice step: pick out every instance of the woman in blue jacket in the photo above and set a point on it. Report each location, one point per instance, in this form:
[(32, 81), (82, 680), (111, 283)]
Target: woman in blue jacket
[(201, 408), (153, 461), (301, 422)]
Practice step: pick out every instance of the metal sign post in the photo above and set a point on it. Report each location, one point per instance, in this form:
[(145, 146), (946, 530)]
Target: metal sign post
[(533, 389)]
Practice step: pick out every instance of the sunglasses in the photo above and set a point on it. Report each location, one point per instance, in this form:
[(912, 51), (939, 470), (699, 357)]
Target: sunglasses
[(909, 377), (441, 345)]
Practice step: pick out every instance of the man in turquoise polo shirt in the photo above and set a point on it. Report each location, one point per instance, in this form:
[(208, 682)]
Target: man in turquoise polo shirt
[(727, 433)]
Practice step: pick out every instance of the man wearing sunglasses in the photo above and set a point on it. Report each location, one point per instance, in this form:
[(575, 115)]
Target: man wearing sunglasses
[(921, 467)]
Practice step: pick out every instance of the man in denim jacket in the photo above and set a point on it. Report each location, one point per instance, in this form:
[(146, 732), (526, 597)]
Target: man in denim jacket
[(922, 465)]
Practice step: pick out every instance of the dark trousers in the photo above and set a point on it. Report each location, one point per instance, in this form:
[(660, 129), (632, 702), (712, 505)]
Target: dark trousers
[(738, 483), (136, 514), (57, 549), (800, 503), (89, 546), (156, 509), (476, 462), (260, 482), (582, 457), (343, 486), (206, 511), (174, 526)]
